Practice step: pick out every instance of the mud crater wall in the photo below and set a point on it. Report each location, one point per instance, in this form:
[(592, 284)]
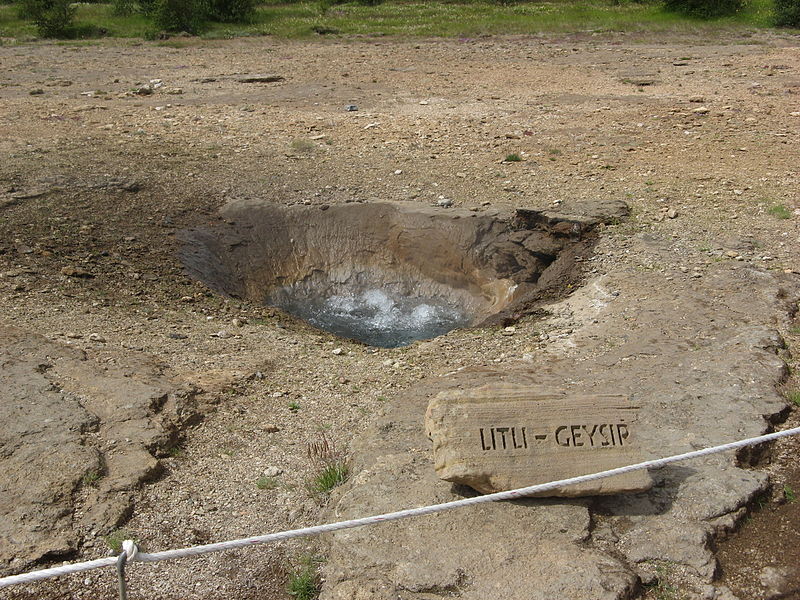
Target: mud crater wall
[(490, 264)]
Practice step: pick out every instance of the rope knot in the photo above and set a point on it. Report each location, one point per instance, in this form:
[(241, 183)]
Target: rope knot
[(130, 549)]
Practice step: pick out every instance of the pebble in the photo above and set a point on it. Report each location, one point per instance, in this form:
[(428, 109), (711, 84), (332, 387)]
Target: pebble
[(672, 213), (701, 110), (424, 102), (221, 334), (96, 337), (509, 331), (272, 472), (337, 351), (444, 202), (272, 428), (351, 108), (76, 272), (237, 322)]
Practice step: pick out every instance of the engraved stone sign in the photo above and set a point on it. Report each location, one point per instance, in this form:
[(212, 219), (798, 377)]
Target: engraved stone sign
[(496, 438)]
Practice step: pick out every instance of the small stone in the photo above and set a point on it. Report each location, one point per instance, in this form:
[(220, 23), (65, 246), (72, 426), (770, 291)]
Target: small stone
[(732, 254), (261, 79), (444, 202), (343, 380), (96, 337), (222, 334), (272, 428), (424, 102), (337, 351), (388, 362), (272, 472), (398, 172), (509, 331), (672, 213), (773, 579), (177, 336), (187, 299), (351, 108), (697, 99), (701, 110), (76, 272), (144, 90), (238, 322), (36, 92)]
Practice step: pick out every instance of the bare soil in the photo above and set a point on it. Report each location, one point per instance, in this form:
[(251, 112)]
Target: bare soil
[(98, 176)]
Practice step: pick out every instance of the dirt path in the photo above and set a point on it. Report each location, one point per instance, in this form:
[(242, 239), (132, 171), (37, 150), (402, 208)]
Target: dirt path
[(110, 149)]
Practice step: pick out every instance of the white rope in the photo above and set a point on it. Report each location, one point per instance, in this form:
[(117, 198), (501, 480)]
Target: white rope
[(133, 554)]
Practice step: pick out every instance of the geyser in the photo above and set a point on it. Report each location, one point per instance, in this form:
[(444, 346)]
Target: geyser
[(389, 273)]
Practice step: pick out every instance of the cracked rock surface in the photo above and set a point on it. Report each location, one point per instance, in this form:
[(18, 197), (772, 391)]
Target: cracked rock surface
[(78, 434)]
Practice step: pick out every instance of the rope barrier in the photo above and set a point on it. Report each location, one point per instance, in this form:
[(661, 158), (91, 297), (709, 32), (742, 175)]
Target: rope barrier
[(131, 553)]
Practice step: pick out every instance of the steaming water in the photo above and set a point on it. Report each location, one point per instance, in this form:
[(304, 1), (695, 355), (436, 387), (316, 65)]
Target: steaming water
[(376, 318)]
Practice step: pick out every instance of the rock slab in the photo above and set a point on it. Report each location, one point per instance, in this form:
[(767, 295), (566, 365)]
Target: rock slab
[(497, 438)]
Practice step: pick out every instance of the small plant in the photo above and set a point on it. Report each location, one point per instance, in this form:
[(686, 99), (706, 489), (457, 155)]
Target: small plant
[(266, 483), (787, 13), (91, 477), (331, 467), (176, 452), (513, 158), (662, 589), (116, 537), (779, 211), (793, 396), (789, 494), (294, 406), (304, 580)]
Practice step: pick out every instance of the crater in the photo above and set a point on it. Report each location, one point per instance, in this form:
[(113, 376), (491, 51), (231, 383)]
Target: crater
[(387, 274)]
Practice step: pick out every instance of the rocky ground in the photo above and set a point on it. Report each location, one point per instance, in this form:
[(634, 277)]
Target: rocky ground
[(111, 149)]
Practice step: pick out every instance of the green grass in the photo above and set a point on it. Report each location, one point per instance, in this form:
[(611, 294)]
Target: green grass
[(116, 537), (410, 18), (303, 580), (793, 396), (91, 477), (779, 211), (513, 158), (789, 494), (331, 475)]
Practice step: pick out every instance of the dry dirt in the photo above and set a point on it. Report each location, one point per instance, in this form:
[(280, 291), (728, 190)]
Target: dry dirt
[(699, 136)]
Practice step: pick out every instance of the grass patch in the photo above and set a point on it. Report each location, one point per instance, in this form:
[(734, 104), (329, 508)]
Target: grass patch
[(789, 494), (304, 581), (328, 478), (413, 18), (91, 477), (116, 537), (330, 467), (793, 396), (779, 211), (513, 158)]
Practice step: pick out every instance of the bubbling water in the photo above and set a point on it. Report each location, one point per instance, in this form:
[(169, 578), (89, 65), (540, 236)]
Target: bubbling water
[(377, 318)]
